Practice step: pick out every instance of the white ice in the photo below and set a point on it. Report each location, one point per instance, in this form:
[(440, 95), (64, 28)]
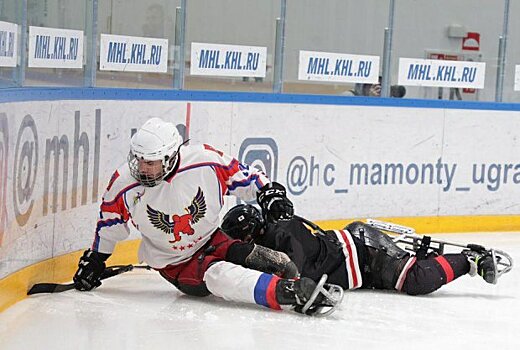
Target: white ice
[(139, 310)]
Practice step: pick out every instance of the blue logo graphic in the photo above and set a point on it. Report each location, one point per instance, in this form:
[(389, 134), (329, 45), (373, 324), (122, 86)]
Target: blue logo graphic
[(260, 153)]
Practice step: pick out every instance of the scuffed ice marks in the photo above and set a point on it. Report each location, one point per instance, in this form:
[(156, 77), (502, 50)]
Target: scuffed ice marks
[(140, 310)]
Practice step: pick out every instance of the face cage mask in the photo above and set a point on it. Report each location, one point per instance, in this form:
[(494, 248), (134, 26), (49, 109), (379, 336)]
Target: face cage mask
[(146, 180)]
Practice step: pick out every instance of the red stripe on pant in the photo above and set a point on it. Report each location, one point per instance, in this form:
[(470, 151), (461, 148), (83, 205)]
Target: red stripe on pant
[(350, 259), (448, 270)]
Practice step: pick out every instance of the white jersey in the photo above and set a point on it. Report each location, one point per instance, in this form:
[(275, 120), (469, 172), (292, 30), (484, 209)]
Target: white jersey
[(179, 215)]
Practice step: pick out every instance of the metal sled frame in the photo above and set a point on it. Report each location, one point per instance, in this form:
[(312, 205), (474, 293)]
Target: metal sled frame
[(333, 296), (503, 262)]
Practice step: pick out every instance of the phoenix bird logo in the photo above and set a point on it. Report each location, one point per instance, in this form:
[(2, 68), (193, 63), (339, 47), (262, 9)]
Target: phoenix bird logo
[(180, 223)]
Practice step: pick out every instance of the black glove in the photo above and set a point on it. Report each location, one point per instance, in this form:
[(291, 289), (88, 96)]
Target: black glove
[(90, 267), (274, 202)]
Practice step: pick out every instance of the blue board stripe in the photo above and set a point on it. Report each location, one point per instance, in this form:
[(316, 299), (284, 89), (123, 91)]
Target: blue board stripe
[(54, 94)]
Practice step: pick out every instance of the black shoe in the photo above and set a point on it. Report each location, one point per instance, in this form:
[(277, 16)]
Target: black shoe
[(486, 268), (294, 292), (483, 263)]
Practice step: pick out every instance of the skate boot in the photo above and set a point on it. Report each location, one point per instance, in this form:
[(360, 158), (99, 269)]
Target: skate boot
[(482, 263), (309, 298)]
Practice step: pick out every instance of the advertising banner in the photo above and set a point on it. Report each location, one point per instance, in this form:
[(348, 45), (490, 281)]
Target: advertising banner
[(335, 67), (55, 48), (453, 74), (228, 60), (133, 54), (517, 77), (8, 44)]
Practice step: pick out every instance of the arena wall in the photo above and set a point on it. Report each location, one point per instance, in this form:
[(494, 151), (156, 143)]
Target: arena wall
[(438, 166)]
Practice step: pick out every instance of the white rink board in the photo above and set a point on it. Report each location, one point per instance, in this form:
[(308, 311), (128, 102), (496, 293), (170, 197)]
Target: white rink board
[(337, 138), (45, 234), (318, 146)]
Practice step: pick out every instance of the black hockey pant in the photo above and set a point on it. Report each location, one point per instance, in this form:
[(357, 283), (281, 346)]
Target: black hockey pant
[(428, 275)]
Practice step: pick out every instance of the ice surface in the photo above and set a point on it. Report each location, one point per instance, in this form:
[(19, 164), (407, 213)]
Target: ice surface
[(139, 310)]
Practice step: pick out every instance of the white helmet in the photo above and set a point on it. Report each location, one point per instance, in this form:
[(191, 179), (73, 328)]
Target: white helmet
[(155, 140)]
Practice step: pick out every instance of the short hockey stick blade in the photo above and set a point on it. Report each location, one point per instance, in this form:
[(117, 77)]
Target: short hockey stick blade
[(110, 271)]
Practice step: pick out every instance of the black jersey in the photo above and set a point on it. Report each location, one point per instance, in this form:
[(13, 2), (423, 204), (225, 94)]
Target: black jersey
[(337, 253), (361, 257)]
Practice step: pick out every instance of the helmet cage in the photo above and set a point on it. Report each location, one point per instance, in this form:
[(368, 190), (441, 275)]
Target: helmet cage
[(168, 164), (156, 140)]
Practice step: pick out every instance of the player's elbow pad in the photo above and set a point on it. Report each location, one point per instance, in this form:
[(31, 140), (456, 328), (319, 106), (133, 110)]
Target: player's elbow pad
[(271, 261)]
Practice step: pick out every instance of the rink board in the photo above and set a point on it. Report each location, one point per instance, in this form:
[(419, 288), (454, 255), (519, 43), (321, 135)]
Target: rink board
[(428, 167)]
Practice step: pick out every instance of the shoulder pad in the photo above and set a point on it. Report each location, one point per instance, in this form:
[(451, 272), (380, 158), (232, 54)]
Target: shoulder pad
[(199, 154), (120, 180)]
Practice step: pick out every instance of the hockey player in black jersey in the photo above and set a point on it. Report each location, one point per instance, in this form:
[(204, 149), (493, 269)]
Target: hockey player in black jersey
[(362, 256)]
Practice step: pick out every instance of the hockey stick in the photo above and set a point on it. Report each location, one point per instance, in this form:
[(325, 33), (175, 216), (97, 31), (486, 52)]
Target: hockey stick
[(110, 271)]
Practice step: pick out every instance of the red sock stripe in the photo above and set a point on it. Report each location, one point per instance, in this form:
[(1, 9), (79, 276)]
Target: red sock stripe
[(351, 259), (271, 294), (448, 270)]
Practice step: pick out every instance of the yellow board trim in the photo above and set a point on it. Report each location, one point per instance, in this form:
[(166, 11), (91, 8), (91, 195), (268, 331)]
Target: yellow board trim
[(443, 224), (14, 287)]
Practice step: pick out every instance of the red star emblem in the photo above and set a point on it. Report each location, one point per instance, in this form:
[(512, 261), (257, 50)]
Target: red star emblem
[(182, 247), (190, 245), (174, 247)]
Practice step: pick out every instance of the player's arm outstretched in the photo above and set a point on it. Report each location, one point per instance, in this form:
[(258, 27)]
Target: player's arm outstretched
[(249, 183), (111, 227)]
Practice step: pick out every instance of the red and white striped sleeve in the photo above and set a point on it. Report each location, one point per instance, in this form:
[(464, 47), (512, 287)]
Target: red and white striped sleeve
[(235, 178), (112, 224)]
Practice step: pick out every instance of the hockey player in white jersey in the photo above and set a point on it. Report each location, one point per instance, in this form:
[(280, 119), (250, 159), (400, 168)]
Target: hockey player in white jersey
[(173, 193)]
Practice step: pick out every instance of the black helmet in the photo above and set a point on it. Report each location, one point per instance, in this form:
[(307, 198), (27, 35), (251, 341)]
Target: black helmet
[(242, 221)]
